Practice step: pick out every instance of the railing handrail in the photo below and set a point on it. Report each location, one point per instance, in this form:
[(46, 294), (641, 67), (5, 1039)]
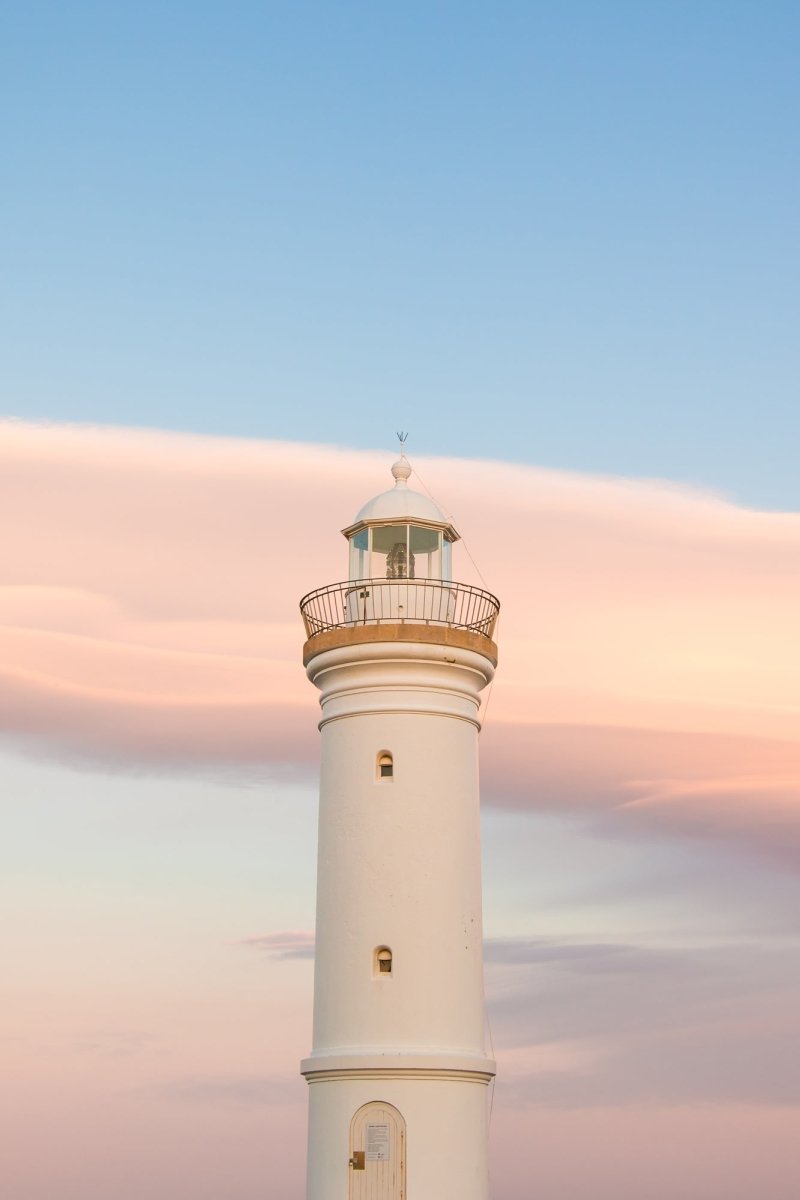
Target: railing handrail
[(440, 602)]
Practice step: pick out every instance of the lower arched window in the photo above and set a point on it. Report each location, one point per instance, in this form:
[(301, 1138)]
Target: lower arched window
[(383, 961)]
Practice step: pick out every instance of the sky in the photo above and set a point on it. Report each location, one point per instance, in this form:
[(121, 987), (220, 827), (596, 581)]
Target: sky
[(242, 246)]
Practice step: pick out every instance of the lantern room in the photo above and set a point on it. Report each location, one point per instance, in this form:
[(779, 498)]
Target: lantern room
[(400, 534)]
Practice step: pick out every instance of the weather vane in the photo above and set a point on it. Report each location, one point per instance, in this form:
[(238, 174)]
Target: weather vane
[(402, 439)]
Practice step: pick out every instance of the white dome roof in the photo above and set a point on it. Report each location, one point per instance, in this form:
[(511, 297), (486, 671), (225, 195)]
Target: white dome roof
[(400, 502)]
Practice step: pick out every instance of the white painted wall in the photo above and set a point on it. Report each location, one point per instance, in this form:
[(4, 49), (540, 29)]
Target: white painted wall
[(446, 1123), (399, 865)]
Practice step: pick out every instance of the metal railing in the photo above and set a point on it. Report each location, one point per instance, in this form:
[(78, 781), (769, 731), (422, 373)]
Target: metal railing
[(380, 601)]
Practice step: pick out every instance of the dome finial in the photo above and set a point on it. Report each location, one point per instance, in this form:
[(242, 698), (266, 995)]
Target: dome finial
[(402, 468)]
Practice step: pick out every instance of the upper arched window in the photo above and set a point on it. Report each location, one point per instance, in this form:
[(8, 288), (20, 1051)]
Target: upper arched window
[(383, 961), (385, 765)]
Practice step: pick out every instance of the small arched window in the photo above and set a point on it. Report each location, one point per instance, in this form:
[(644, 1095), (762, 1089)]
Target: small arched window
[(385, 765), (383, 961)]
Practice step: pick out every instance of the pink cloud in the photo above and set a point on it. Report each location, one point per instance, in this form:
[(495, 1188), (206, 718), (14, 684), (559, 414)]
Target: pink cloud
[(650, 664)]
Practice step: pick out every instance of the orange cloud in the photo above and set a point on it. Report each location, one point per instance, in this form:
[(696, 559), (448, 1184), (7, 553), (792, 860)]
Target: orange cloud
[(650, 662)]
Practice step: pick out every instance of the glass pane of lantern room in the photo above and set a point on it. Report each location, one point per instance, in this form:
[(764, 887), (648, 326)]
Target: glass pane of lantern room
[(447, 559), (425, 546), (390, 553), (359, 555)]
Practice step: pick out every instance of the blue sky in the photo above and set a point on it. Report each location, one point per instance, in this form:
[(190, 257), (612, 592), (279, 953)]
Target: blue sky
[(560, 233)]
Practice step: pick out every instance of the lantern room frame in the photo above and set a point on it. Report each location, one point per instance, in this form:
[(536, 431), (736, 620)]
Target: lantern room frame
[(400, 549)]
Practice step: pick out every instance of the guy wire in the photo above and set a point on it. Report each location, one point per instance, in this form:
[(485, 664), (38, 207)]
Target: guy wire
[(449, 516), (479, 572)]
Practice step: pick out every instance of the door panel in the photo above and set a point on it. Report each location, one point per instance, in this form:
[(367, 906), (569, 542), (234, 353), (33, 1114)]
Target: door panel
[(378, 1133)]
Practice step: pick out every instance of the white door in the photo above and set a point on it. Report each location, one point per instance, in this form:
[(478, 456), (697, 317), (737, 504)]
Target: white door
[(377, 1153)]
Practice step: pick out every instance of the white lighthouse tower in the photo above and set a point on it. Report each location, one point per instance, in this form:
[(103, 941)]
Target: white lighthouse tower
[(398, 1072)]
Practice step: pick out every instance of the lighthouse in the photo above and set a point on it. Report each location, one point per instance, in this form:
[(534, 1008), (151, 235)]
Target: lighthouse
[(398, 1070)]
